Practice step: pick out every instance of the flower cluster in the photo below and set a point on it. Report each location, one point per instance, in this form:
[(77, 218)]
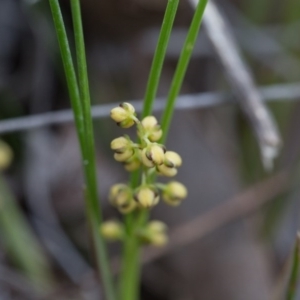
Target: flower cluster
[(152, 158)]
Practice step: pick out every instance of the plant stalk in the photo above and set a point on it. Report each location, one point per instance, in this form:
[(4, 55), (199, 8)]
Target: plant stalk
[(181, 68), (159, 57), (80, 101)]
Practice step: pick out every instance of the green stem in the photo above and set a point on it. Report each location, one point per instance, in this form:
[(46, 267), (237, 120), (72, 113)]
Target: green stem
[(89, 162), (130, 274), (292, 285), (156, 68), (130, 267), (69, 70), (159, 57), (182, 67), (81, 108)]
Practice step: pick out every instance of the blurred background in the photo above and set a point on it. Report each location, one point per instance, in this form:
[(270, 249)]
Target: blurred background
[(236, 128)]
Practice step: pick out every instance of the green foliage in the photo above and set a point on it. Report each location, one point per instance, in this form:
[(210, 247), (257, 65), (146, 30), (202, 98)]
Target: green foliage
[(21, 242)]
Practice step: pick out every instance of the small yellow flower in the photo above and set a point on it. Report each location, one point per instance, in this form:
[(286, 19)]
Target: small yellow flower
[(6, 155), (119, 114), (157, 226), (174, 193), (166, 171), (124, 115), (122, 157), (120, 144), (159, 239), (128, 207), (147, 197), (145, 160), (112, 230), (132, 164), (128, 107), (153, 155), (149, 122), (172, 159), (152, 129), (171, 162), (120, 195), (156, 231), (123, 148)]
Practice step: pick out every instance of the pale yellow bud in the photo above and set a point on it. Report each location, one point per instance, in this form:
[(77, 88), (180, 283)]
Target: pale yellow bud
[(154, 233), (155, 135), (127, 208), (123, 115), (159, 239), (166, 171), (149, 122), (153, 155), (118, 114), (132, 165), (6, 155), (145, 160), (128, 107), (157, 226), (157, 154), (172, 159), (120, 144), (112, 230), (147, 197), (157, 233), (120, 195), (124, 155), (152, 128), (174, 193), (116, 189)]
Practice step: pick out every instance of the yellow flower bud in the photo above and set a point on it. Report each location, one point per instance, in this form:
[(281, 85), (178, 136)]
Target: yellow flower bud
[(128, 107), (132, 165), (123, 115), (120, 195), (118, 114), (120, 144), (146, 197), (172, 159), (112, 230), (124, 155), (159, 239), (153, 155), (174, 193), (6, 155), (152, 128), (156, 231), (128, 207), (123, 147), (166, 171), (157, 226), (145, 160), (149, 122)]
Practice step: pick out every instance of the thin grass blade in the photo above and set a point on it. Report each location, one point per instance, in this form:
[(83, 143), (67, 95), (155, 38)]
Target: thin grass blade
[(181, 68), (80, 100), (294, 276)]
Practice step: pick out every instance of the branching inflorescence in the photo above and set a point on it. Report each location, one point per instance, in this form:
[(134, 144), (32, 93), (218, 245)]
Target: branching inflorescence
[(152, 158)]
